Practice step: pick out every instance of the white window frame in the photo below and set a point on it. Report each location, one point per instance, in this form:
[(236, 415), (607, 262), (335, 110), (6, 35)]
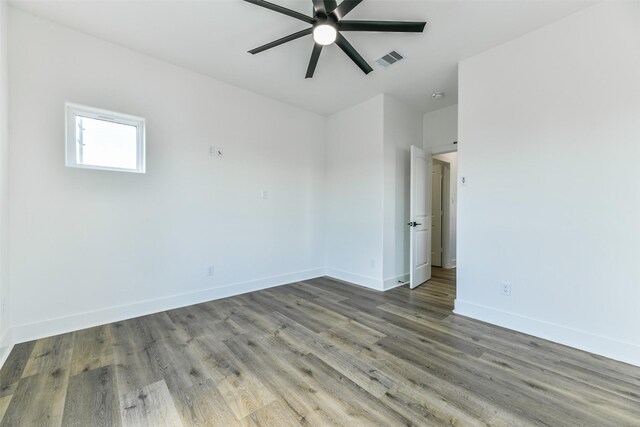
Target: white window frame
[(73, 110)]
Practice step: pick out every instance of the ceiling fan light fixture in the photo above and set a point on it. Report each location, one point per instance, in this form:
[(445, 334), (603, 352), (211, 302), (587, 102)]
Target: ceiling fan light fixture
[(325, 34)]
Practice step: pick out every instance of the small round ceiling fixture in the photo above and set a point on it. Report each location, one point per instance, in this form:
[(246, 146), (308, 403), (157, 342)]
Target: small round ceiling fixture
[(437, 95), (325, 34)]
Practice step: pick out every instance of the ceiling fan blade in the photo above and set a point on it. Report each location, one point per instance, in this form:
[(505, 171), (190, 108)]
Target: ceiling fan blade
[(345, 7), (324, 7), (384, 26), (318, 6), (283, 40), (315, 54), (353, 54), (330, 5), (283, 10)]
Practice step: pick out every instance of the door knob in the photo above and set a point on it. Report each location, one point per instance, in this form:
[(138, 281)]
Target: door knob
[(413, 224)]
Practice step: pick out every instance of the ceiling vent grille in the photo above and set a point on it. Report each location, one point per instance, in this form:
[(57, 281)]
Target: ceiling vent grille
[(389, 59)]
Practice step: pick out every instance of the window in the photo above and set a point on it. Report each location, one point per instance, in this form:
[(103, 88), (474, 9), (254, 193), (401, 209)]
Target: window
[(99, 139)]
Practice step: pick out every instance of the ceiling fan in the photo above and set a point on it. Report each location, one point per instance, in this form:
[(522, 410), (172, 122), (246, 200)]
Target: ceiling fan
[(327, 25)]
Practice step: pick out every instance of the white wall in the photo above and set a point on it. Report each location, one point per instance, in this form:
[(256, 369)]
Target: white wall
[(440, 129), (449, 260), (89, 246), (367, 191), (5, 343), (550, 141), (354, 193), (402, 129)]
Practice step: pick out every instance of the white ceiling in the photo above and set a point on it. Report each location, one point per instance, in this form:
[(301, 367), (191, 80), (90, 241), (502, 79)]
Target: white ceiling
[(212, 37)]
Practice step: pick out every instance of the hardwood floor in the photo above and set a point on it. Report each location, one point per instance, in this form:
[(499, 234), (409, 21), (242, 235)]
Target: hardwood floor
[(314, 353)]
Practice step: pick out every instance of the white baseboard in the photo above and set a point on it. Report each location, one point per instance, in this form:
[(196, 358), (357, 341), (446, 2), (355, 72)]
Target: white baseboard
[(395, 282), (61, 325), (6, 344), (367, 282), (607, 347)]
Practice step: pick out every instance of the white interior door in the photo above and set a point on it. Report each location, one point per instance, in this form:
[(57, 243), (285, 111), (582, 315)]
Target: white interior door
[(420, 218)]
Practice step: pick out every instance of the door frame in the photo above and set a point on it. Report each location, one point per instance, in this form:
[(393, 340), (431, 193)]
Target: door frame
[(446, 209), (446, 213), (434, 151)]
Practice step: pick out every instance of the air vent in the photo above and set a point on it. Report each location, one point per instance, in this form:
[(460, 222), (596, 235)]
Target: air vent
[(390, 59)]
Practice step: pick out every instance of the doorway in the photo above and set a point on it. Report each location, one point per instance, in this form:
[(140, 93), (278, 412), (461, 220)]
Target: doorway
[(433, 204), (439, 199), (444, 209)]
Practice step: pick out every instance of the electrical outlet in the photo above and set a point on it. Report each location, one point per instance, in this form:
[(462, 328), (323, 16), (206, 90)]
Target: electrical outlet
[(505, 289), (264, 194), (211, 271), (372, 262)]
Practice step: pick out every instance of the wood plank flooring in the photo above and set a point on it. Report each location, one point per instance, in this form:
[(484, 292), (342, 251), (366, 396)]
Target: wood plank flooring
[(314, 353)]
